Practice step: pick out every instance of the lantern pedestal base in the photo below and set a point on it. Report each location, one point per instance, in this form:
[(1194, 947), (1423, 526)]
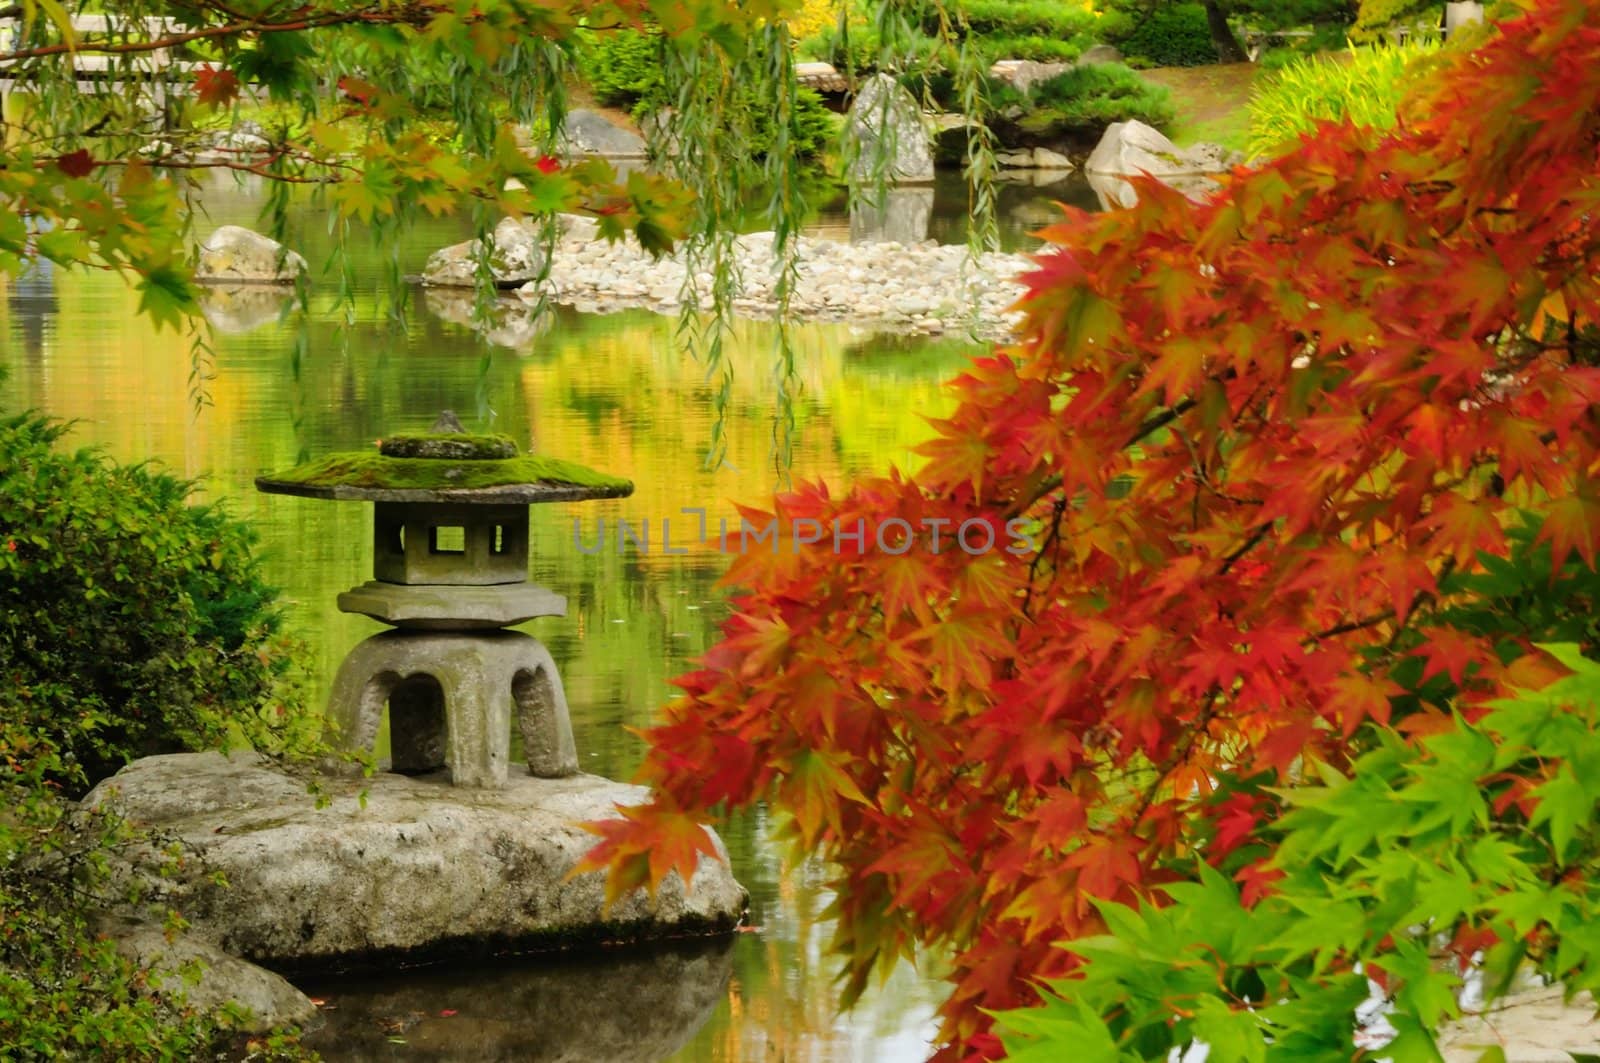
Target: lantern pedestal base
[(451, 696)]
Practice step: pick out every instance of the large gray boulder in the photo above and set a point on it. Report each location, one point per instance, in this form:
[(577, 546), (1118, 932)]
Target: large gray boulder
[(207, 978), (411, 869), (1131, 148), (517, 258), (592, 133), (885, 118), (1114, 192), (236, 255)]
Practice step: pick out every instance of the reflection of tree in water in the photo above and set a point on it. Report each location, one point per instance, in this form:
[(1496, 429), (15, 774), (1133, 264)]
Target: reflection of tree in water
[(32, 305)]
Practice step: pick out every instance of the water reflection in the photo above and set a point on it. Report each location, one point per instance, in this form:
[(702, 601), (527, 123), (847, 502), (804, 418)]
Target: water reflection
[(236, 308), (31, 303), (633, 1004)]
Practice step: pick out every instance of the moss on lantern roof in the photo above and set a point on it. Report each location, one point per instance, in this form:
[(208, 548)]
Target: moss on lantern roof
[(378, 477)]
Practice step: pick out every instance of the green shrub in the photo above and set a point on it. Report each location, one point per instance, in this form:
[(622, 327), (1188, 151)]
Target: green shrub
[(1042, 18), (134, 621), (1073, 105), (939, 85), (1089, 98), (861, 50), (1364, 85), (621, 66), (1040, 49), (1170, 35), (624, 69)]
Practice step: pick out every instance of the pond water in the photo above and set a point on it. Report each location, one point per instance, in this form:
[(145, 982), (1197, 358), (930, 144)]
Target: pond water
[(609, 391)]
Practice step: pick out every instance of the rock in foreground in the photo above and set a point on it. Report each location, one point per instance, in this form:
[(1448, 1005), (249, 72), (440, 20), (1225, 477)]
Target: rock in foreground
[(885, 111), (423, 871)]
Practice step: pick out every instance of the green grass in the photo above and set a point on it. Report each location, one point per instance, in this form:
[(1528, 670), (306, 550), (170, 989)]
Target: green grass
[(1364, 85)]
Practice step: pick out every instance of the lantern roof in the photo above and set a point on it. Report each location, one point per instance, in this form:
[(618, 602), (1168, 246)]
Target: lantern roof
[(445, 465)]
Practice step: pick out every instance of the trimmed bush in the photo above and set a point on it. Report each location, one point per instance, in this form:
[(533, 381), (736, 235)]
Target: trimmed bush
[(135, 622), (1086, 99), (1171, 35), (621, 66), (1363, 84), (1043, 18)]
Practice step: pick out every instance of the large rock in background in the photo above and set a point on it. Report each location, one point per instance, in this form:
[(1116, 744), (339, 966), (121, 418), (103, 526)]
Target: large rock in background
[(885, 117), (420, 871), (517, 258), (236, 255), (592, 133)]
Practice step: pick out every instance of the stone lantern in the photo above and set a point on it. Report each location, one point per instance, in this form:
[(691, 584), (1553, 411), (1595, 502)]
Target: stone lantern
[(450, 574)]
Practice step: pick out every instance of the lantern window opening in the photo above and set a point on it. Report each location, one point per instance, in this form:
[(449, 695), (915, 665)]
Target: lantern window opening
[(447, 539)]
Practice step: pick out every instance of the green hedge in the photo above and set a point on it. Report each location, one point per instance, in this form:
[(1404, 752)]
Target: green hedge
[(1089, 98), (133, 621), (1173, 35)]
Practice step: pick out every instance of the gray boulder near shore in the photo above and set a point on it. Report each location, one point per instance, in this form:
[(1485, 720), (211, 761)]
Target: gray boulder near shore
[(208, 978), (236, 255), (516, 258), (392, 867), (1128, 149), (591, 133), (885, 118)]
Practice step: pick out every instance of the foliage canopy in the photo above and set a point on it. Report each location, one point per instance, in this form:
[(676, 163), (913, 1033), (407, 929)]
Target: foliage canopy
[(1267, 445)]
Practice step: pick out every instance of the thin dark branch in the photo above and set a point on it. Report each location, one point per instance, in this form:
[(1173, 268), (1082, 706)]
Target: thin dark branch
[(411, 14)]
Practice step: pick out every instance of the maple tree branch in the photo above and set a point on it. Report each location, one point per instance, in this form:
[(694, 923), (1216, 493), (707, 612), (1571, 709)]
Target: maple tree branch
[(1054, 537), (1349, 626), (1245, 547), (1150, 425), (1185, 746)]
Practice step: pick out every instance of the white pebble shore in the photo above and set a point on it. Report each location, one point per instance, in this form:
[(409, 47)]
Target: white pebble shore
[(923, 289)]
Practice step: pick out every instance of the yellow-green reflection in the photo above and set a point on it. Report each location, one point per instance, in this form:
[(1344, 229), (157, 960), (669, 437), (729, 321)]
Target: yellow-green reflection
[(611, 392)]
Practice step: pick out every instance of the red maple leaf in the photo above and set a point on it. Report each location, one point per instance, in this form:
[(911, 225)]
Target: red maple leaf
[(215, 88), (76, 164)]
